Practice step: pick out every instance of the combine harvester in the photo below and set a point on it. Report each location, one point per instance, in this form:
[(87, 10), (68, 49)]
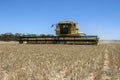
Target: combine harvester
[(67, 33)]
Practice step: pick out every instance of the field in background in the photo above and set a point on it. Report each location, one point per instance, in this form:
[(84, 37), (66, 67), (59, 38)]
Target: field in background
[(59, 62)]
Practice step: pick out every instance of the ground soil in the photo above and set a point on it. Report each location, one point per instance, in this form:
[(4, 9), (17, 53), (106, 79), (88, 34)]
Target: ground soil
[(59, 62)]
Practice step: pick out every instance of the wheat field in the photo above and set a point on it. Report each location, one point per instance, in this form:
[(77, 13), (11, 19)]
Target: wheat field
[(59, 62)]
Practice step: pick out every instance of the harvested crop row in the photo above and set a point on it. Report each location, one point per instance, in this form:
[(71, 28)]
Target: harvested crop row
[(50, 62)]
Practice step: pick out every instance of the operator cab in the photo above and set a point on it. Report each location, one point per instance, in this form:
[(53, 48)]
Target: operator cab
[(66, 29)]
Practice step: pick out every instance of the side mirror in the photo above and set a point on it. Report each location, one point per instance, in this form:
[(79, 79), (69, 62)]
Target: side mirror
[(53, 25)]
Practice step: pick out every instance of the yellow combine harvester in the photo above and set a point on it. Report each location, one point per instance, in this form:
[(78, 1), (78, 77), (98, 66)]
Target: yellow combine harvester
[(67, 33)]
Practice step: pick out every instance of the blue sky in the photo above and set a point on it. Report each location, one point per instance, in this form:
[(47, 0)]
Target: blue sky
[(95, 17)]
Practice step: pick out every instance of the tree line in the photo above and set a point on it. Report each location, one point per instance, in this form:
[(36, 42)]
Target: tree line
[(16, 36)]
